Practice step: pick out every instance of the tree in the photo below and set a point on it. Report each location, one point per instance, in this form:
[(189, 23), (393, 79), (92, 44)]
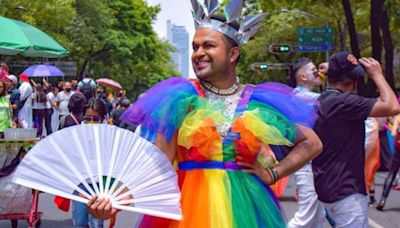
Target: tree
[(116, 40), (108, 38), (342, 16), (352, 28), (388, 44), (51, 16)]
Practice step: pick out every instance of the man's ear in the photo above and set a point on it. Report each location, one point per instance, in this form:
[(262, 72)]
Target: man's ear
[(303, 77), (235, 53)]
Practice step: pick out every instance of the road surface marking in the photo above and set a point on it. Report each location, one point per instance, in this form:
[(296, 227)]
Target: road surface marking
[(374, 224)]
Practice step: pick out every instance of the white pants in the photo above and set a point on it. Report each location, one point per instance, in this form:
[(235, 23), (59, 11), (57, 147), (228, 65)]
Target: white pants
[(25, 116), (54, 120), (350, 212), (311, 211)]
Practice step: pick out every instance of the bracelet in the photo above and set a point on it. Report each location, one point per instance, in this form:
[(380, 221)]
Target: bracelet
[(273, 174), (270, 175)]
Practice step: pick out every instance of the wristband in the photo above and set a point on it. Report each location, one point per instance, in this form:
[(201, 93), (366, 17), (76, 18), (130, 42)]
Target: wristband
[(273, 174)]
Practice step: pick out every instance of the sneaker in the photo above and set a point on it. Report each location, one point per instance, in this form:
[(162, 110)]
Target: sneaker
[(372, 203), (396, 187)]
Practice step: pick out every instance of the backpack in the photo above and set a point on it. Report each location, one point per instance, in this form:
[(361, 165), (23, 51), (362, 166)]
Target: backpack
[(61, 124), (87, 89)]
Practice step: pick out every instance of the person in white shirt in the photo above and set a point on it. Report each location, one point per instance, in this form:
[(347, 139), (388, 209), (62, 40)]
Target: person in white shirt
[(62, 99), (25, 112), (310, 212)]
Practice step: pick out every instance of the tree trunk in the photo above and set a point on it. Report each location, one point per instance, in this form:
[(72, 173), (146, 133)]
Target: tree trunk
[(352, 28), (362, 87), (388, 44), (376, 39), (83, 67), (369, 89)]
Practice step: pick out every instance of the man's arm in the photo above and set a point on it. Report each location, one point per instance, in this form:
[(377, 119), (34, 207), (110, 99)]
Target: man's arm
[(169, 149), (386, 104), (307, 147)]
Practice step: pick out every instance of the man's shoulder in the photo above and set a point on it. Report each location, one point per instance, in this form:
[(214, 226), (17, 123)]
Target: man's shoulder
[(62, 94), (341, 97), (176, 84), (305, 92), (86, 81), (15, 91), (345, 106)]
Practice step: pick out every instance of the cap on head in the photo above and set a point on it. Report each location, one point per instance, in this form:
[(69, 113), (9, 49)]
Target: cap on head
[(24, 77), (12, 78), (205, 11), (345, 64)]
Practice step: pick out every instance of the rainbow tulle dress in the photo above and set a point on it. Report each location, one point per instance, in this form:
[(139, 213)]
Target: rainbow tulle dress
[(215, 192)]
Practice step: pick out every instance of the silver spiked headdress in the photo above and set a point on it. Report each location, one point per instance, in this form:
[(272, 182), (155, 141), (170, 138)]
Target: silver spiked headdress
[(204, 10)]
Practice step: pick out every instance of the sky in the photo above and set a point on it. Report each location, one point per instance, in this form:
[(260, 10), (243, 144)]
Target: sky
[(179, 12)]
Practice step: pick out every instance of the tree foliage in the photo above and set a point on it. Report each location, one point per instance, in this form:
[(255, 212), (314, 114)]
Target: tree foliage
[(114, 38), (108, 38), (280, 27)]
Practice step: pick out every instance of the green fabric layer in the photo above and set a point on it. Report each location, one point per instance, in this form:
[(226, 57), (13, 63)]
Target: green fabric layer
[(272, 117), (252, 204)]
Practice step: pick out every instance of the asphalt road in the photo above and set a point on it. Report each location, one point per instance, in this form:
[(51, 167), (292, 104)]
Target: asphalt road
[(390, 218)]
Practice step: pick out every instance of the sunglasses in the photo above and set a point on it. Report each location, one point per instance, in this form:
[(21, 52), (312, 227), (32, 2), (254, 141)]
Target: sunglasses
[(91, 119)]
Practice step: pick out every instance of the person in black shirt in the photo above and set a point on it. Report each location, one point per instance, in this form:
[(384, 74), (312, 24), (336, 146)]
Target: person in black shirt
[(339, 169)]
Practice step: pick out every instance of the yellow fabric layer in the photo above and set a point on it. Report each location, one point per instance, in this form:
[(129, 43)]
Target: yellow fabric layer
[(198, 130), (220, 198), (268, 134)]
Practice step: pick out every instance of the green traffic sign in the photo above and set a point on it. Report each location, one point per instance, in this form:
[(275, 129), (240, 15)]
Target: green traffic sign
[(318, 30), (314, 39)]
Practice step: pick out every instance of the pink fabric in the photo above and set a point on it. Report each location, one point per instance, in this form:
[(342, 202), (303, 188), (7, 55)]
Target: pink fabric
[(3, 75)]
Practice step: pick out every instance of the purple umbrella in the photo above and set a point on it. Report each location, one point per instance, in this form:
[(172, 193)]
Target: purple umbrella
[(43, 71)]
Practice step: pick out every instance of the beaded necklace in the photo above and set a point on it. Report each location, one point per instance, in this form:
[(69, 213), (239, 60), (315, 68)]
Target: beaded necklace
[(224, 92)]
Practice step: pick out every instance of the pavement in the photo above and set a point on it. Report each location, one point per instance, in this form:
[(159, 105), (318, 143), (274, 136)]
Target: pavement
[(389, 218)]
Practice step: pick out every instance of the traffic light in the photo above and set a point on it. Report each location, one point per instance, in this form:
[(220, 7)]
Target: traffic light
[(259, 66), (279, 48)]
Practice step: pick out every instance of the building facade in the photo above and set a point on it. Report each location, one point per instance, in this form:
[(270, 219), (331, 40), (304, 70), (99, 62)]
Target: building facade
[(179, 38)]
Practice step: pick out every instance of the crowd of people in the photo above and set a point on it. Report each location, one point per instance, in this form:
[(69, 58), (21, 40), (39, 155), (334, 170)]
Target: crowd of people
[(28, 103), (223, 130), (232, 141), (317, 199)]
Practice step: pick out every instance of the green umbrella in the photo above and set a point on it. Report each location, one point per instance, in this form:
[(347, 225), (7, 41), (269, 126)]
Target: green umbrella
[(17, 37)]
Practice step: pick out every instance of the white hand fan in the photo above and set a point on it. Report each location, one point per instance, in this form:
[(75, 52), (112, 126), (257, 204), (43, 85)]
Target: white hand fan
[(95, 159)]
